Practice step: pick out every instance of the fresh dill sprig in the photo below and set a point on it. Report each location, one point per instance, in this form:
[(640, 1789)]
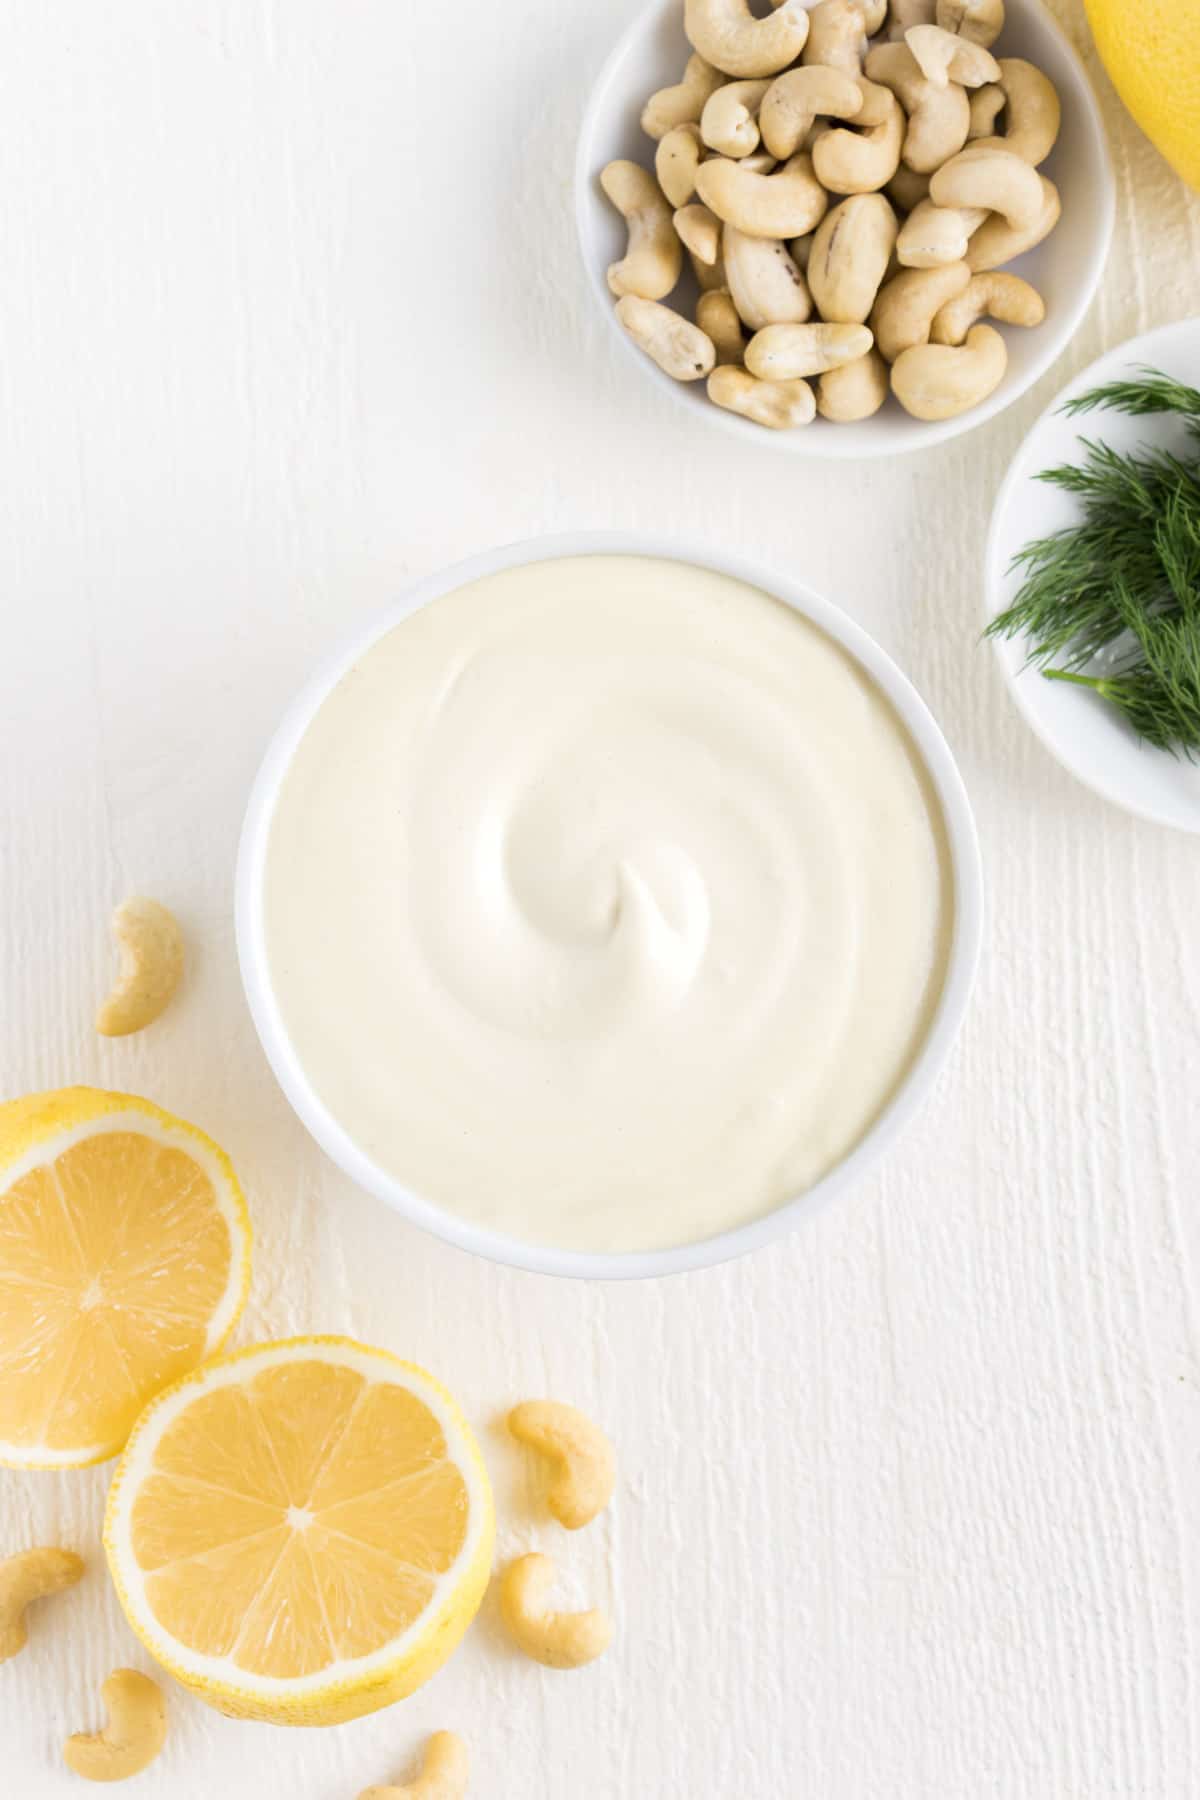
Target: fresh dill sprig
[(1121, 587)]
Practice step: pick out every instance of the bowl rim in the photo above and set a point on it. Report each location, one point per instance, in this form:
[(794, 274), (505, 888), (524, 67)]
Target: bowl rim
[(919, 434), (1143, 347), (962, 959)]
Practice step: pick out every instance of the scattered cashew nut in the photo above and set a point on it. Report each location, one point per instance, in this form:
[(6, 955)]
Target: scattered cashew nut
[(678, 347), (850, 253), (981, 21), (991, 178), (861, 161), (939, 381), (443, 1776), (779, 405), (151, 946), (837, 35), (765, 282), (586, 1467), (986, 103), (781, 205), (943, 57), (717, 317), (934, 235), (699, 232), (853, 391), (1033, 111), (938, 117), (676, 160), (993, 295), (560, 1640), (997, 242), (784, 352), (729, 122), (903, 314), (904, 14), (683, 103), (135, 1733), (727, 34), (653, 259), (31, 1575), (795, 101)]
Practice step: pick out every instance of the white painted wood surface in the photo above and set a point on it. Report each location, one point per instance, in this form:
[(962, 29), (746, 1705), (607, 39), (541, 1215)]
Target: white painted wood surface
[(290, 312)]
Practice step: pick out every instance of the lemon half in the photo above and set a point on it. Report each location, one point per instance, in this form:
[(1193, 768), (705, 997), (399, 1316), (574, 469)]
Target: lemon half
[(303, 1532), (124, 1261), (1152, 52)]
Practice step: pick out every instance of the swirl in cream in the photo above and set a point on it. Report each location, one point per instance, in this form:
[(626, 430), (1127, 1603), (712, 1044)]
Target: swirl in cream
[(607, 902)]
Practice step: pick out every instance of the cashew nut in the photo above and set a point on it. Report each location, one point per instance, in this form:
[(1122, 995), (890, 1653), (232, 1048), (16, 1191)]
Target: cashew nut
[(862, 160), (151, 946), (981, 21), (779, 405), (903, 314), (135, 1733), (943, 57), (987, 103), (993, 296), (765, 282), (31, 1575), (676, 160), (585, 1464), (837, 35), (785, 204), (854, 391), (683, 103), (934, 235), (559, 1640), (904, 14), (699, 233), (991, 178), (938, 117), (729, 122), (443, 1774), (1034, 111), (784, 352), (796, 100), (850, 254), (727, 34), (939, 381), (997, 242), (907, 189), (710, 277), (678, 347), (653, 258), (717, 317)]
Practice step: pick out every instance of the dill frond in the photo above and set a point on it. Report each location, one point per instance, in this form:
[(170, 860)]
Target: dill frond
[(1123, 584)]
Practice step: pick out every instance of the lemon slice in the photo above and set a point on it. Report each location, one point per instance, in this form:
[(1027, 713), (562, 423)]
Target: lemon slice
[(124, 1261), (303, 1532), (1152, 53)]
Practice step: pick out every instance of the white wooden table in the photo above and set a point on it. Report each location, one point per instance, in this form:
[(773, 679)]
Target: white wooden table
[(290, 312)]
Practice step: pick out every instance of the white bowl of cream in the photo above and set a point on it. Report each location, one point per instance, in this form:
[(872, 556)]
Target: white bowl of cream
[(607, 906)]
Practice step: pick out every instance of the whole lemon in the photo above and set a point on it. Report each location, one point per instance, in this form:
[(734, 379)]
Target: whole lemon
[(1151, 49)]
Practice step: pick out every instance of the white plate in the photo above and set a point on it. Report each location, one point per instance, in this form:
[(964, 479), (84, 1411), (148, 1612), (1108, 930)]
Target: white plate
[(1065, 269), (909, 1096), (1087, 736)]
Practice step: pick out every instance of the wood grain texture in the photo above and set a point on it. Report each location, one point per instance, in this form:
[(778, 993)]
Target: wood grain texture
[(290, 312)]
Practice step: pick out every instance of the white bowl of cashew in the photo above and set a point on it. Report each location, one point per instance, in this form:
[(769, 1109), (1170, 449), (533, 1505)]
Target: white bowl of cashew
[(1065, 269)]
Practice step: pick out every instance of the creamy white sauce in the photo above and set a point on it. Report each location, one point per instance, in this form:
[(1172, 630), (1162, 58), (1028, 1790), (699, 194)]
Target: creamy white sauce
[(607, 902)]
